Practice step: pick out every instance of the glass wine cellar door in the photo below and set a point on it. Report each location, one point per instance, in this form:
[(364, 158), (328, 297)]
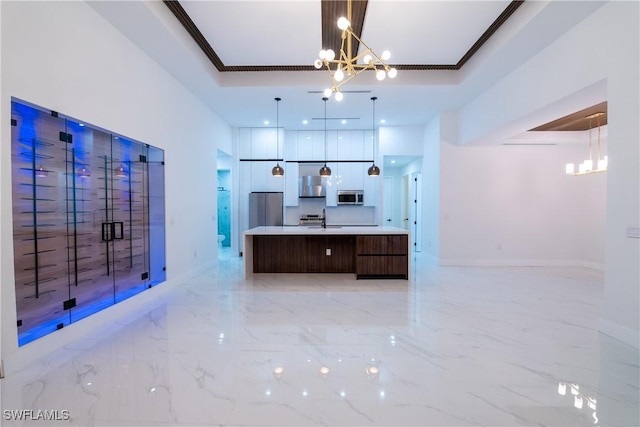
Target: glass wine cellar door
[(88, 219)]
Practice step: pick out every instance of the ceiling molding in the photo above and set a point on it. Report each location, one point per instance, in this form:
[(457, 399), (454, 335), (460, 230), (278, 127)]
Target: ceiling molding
[(578, 121), (506, 13), (331, 9)]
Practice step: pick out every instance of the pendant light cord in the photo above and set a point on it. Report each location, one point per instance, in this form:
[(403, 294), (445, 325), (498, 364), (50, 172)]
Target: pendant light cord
[(325, 129), (278, 128), (373, 127)]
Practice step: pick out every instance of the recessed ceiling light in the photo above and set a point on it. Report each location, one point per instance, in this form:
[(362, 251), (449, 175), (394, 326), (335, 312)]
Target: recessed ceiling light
[(393, 161), (266, 122), (305, 122), (383, 121), (344, 122), (80, 124)]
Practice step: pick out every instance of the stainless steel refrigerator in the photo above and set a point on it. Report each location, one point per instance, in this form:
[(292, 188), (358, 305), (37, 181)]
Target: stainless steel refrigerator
[(265, 209)]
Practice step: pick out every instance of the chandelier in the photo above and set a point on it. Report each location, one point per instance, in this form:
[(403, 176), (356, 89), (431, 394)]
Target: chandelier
[(347, 66), (586, 167)]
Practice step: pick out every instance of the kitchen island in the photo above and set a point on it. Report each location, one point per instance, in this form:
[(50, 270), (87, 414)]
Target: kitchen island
[(367, 252)]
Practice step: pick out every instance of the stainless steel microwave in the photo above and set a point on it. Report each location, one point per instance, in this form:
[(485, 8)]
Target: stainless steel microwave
[(350, 197)]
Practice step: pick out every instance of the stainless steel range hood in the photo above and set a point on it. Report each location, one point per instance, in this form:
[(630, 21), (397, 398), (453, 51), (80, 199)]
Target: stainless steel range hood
[(311, 186)]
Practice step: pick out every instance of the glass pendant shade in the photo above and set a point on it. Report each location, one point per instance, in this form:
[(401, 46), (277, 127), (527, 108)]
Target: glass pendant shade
[(277, 170), (373, 170), (325, 170)]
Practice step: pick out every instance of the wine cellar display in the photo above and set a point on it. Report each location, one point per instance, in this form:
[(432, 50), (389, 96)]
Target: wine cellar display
[(88, 219)]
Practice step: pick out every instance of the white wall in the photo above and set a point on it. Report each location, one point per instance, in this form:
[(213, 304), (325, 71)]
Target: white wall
[(64, 56), (597, 60), (431, 189), (400, 140), (514, 205)]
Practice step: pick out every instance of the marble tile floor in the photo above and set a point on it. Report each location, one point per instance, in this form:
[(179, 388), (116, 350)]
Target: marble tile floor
[(454, 346)]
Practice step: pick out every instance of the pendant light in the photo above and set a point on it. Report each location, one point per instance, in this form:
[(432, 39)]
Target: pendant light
[(586, 167), (325, 170), (373, 169), (277, 169)]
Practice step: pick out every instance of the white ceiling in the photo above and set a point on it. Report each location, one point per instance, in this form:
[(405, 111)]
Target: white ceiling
[(277, 32)]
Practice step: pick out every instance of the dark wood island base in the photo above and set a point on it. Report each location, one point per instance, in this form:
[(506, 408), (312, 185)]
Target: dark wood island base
[(352, 250)]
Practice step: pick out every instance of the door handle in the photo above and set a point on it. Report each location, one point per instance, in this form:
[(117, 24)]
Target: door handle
[(106, 231), (114, 230), (388, 219)]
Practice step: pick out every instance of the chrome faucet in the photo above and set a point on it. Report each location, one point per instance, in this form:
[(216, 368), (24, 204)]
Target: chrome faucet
[(324, 218)]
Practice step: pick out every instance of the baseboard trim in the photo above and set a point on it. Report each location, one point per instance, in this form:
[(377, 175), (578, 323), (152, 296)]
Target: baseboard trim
[(522, 263)]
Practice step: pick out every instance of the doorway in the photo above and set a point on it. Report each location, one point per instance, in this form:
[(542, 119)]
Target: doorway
[(224, 202)]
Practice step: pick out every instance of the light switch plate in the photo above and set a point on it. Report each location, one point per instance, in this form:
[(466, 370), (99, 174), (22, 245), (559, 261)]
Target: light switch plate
[(328, 252)]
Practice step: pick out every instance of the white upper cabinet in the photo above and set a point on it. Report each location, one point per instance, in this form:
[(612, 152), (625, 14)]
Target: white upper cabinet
[(318, 145), (305, 145), (368, 146), (263, 143), (290, 145), (291, 175)]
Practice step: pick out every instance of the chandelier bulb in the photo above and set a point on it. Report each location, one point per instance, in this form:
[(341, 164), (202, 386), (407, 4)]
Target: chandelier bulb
[(327, 92), (339, 96), (322, 54), (317, 63), (381, 74), (330, 55), (392, 73), (339, 75), (386, 55), (343, 23), (367, 59)]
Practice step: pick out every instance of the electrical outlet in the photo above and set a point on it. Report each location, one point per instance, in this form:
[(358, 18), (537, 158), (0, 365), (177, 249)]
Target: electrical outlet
[(328, 252)]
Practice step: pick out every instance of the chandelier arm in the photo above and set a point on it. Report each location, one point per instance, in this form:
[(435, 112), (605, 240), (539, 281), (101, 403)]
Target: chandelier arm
[(369, 50), (354, 74)]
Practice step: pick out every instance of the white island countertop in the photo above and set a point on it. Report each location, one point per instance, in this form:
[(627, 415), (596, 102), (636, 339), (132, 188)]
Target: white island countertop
[(306, 230)]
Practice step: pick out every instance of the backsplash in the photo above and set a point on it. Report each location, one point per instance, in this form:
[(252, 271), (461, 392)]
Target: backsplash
[(339, 215)]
